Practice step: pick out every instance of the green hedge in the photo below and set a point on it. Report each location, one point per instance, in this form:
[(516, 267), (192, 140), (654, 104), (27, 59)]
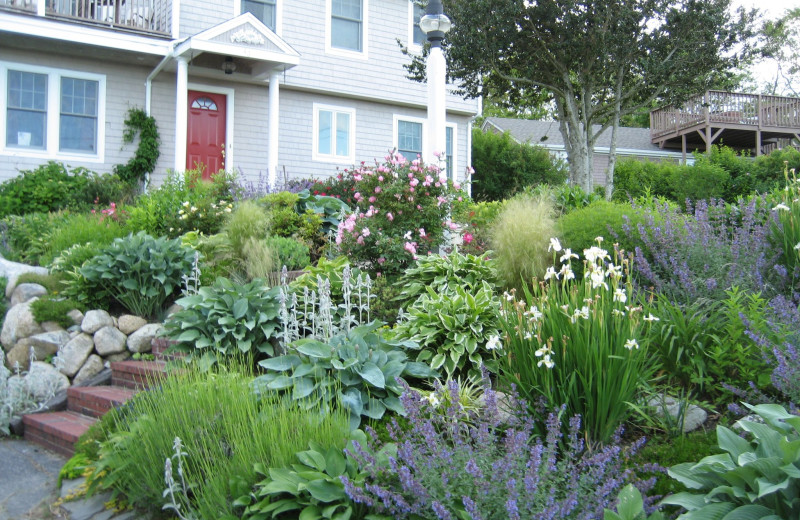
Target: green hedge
[(504, 167)]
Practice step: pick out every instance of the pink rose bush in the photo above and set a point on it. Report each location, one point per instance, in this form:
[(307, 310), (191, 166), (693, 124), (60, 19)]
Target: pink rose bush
[(405, 214)]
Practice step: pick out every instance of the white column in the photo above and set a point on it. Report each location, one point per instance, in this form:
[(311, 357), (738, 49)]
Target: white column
[(41, 8), (181, 113), (437, 109), (272, 128)]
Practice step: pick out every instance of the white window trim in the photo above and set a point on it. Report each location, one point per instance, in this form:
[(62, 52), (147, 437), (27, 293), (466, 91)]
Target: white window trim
[(412, 47), (53, 114), (454, 126), (329, 49), (237, 10), (229, 119), (395, 138), (333, 158)]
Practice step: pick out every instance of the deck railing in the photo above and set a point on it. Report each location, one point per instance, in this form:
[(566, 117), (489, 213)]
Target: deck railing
[(150, 16), (727, 108)]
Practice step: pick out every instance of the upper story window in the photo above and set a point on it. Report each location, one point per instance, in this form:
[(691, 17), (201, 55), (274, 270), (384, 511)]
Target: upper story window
[(416, 12), (334, 134), (347, 26), (51, 112), (264, 10)]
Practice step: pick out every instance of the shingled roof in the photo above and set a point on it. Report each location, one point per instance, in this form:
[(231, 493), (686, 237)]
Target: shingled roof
[(547, 133)]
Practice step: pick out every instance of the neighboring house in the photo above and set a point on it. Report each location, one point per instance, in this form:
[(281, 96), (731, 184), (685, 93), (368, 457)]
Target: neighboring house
[(259, 86), (631, 142)]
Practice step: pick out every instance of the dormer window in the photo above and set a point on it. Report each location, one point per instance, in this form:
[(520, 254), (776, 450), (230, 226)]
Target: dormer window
[(264, 10)]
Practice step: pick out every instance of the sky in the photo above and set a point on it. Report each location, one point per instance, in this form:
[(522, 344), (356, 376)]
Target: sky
[(770, 9)]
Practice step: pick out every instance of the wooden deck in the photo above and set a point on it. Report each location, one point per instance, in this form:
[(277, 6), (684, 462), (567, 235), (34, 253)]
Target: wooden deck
[(141, 16), (753, 122)]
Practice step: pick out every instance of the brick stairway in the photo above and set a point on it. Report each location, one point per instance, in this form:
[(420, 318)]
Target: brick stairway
[(59, 431)]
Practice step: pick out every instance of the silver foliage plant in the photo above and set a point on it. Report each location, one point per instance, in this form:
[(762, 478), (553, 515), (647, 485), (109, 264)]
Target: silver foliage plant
[(319, 317), (22, 393)]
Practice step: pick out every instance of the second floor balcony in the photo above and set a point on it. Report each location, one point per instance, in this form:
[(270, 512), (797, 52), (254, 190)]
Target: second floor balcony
[(141, 16)]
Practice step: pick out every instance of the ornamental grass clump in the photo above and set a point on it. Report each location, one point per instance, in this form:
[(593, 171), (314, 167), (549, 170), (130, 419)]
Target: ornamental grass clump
[(519, 237), (447, 469), (575, 342)]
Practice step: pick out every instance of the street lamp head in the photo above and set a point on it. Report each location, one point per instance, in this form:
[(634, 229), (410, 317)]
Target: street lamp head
[(435, 23)]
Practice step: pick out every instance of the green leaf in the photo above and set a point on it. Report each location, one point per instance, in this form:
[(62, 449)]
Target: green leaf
[(749, 512), (731, 442), (312, 459), (325, 491), (372, 374), (310, 513), (437, 361), (335, 464), (240, 308), (302, 388), (630, 503), (280, 382), (313, 349)]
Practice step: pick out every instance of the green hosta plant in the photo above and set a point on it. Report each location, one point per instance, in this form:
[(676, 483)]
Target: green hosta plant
[(630, 506), (226, 318), (138, 271), (359, 369), (456, 329), (757, 478), (313, 488), (446, 272)]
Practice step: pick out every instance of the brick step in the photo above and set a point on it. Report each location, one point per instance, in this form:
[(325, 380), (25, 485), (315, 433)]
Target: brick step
[(95, 401), (137, 375), (159, 348), (56, 431)]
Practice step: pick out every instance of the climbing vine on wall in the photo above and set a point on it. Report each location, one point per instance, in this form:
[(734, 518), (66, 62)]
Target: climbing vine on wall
[(146, 156)]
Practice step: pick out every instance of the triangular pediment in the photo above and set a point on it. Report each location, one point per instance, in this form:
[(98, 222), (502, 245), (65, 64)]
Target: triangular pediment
[(244, 36)]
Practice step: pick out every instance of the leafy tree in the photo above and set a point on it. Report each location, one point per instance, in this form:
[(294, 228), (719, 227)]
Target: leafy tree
[(597, 60), (782, 44)]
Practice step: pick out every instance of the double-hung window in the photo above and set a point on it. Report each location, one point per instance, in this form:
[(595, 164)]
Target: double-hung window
[(78, 119), (347, 27), (449, 156), (26, 116), (409, 139), (51, 112), (334, 134), (264, 10)]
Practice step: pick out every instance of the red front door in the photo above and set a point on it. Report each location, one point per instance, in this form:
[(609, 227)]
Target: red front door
[(206, 132)]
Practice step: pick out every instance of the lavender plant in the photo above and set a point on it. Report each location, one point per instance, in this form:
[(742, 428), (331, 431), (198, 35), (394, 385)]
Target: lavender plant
[(445, 469), (706, 251)]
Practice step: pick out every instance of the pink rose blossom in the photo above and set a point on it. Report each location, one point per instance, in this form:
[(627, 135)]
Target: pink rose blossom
[(378, 189), (373, 199), (360, 240), (380, 178), (422, 232), (411, 247), (468, 238), (365, 231), (390, 217), (381, 260)]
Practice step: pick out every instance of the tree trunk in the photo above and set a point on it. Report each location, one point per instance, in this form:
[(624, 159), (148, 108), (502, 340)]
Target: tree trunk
[(577, 142), (612, 150)]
